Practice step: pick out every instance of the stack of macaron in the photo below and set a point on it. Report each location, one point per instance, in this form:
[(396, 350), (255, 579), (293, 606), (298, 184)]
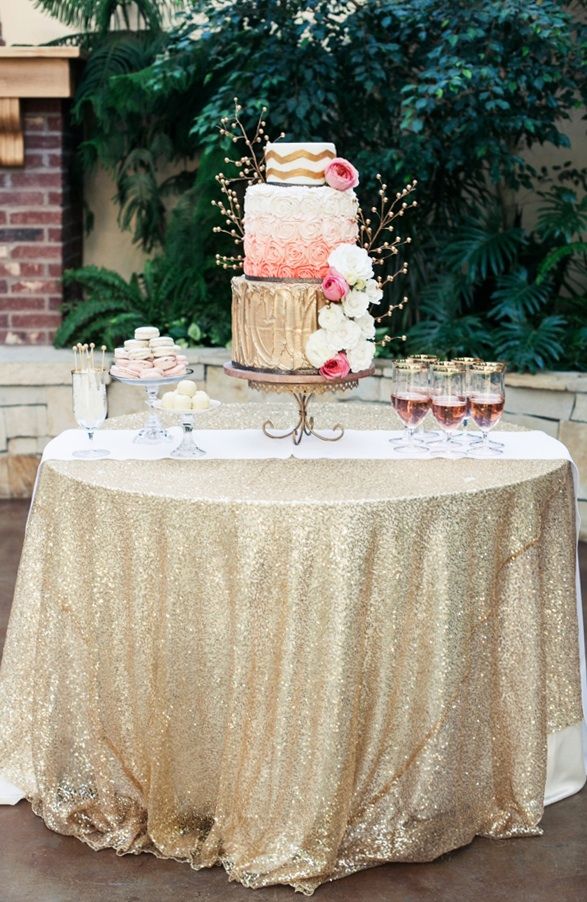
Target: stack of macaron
[(186, 397), (149, 355)]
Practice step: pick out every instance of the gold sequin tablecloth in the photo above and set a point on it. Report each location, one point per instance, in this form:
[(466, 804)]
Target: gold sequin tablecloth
[(296, 669)]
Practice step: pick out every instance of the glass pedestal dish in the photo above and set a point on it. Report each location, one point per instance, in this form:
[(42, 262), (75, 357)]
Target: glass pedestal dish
[(153, 431), (188, 449)]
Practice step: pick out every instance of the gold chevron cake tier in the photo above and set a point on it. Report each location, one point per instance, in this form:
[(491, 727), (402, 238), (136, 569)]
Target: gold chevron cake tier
[(299, 163), (271, 323)]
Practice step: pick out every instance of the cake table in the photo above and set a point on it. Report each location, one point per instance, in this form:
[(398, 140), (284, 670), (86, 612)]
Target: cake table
[(293, 668)]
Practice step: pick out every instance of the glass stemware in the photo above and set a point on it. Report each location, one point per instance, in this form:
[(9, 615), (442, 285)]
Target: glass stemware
[(89, 407), (486, 405), (449, 401), (410, 398)]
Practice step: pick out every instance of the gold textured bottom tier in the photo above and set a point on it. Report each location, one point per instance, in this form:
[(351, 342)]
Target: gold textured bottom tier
[(271, 323)]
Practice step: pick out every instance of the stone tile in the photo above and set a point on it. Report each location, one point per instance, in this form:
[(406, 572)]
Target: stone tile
[(224, 388), (25, 445), (580, 408), (554, 405), (124, 399), (209, 356), (536, 381), (368, 389), (59, 409), (3, 436), (577, 382), (551, 427), (574, 436), (26, 420), (11, 396)]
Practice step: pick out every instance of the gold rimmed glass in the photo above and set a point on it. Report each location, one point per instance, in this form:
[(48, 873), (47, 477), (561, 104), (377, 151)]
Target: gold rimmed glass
[(410, 398), (422, 358), (448, 399), (486, 402)]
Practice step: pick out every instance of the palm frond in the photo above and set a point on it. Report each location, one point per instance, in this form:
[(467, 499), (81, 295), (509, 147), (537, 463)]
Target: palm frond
[(482, 248), (556, 256), (529, 346), (101, 15), (517, 297), (562, 217)]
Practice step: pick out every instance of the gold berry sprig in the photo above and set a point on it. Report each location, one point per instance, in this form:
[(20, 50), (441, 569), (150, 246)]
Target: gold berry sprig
[(373, 232), (250, 168)]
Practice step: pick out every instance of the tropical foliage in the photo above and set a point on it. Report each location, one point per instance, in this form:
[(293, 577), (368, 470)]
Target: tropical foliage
[(455, 99)]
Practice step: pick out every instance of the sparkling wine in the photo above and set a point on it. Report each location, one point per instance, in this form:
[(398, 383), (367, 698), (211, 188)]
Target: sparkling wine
[(411, 406), (486, 410), (449, 412)]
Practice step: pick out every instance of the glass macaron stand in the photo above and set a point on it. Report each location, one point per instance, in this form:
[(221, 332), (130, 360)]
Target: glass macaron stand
[(186, 402)]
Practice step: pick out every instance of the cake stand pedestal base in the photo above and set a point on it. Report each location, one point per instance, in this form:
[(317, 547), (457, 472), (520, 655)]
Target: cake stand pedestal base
[(302, 389)]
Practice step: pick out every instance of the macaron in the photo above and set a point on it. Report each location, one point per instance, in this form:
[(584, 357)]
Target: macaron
[(165, 351), (131, 343), (146, 333), (139, 354), (162, 341), (122, 372), (121, 354), (166, 363), (175, 371), (150, 374)]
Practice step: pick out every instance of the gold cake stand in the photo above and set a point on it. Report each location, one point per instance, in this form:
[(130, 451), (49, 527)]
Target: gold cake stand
[(302, 389)]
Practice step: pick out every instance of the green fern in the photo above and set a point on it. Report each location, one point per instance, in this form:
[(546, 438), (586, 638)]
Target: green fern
[(83, 316)]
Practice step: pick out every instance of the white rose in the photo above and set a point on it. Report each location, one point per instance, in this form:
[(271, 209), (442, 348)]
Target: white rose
[(356, 303), (346, 335), (352, 262), (373, 290), (330, 317), (320, 347), (360, 357), (366, 324)]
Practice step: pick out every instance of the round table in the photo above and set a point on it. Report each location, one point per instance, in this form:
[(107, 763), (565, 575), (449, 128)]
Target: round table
[(294, 668)]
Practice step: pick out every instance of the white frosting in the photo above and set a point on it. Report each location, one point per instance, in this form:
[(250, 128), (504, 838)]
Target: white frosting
[(298, 202), (299, 164)]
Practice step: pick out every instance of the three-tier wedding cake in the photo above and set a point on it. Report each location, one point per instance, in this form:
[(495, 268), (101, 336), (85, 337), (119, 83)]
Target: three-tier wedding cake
[(303, 299)]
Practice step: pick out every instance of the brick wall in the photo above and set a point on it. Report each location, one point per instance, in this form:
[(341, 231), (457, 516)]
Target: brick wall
[(40, 226)]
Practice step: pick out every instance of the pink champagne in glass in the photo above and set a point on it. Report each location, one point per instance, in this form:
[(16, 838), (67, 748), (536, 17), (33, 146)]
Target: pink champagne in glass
[(411, 407), (487, 402), (410, 398)]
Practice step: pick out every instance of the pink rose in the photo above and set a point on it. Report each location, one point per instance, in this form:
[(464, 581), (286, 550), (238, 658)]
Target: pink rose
[(341, 174), (336, 368), (334, 286)]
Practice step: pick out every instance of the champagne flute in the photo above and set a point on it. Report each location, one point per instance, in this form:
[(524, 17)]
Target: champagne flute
[(466, 363), (428, 359), (89, 407), (449, 400), (410, 398), (486, 404)]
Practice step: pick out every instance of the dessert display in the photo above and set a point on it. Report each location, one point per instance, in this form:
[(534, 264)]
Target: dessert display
[(306, 307), (149, 356), (185, 397), (187, 401)]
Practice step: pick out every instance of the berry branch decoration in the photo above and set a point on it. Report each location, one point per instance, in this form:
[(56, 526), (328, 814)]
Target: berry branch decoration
[(250, 170), (372, 237)]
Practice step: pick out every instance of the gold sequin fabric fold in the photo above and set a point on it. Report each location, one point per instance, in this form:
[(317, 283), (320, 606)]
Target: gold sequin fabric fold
[(295, 669)]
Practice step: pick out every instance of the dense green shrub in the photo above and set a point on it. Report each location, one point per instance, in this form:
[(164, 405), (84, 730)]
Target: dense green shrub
[(453, 95)]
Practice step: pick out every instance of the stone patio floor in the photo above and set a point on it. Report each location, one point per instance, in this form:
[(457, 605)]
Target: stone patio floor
[(37, 865)]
